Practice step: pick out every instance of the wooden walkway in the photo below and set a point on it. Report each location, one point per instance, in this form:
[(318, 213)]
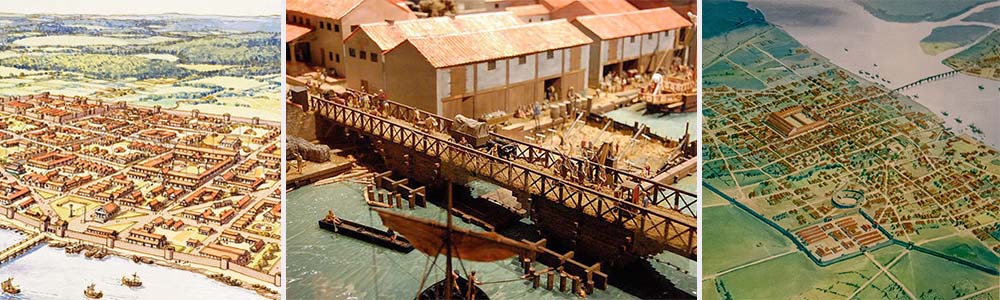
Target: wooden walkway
[(21, 247)]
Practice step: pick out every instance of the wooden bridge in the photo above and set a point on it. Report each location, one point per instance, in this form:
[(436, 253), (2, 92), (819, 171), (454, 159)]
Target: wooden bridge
[(668, 219), (21, 247)]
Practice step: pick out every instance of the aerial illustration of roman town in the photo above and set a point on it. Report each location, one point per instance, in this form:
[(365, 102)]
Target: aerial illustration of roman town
[(141, 151), (850, 150)]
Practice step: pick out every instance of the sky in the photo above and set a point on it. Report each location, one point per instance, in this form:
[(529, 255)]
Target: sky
[(145, 7)]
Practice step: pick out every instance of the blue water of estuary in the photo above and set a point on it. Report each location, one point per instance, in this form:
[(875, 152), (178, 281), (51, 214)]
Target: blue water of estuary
[(323, 265)]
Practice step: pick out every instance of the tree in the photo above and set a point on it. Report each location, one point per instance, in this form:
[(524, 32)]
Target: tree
[(437, 8)]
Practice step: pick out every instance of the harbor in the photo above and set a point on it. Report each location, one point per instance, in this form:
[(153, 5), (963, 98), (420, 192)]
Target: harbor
[(30, 273)]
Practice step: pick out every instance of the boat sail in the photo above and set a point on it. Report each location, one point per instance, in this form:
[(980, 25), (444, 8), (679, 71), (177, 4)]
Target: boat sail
[(434, 239), (430, 237)]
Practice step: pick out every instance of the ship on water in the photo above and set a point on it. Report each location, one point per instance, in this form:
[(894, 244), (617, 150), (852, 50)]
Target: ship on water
[(9, 287), (93, 293), (133, 281), (434, 239)]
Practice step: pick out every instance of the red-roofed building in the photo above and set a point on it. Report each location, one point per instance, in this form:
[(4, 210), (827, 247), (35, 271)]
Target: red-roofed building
[(498, 66), (106, 212), (316, 28), (638, 40), (578, 8), (541, 10)]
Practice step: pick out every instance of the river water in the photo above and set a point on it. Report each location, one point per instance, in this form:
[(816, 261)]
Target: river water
[(828, 27), (49, 273), (322, 265)]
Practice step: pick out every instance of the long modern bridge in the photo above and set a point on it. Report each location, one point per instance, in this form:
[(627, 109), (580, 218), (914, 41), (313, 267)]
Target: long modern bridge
[(668, 221)]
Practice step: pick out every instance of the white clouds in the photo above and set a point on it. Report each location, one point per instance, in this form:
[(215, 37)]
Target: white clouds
[(140, 7)]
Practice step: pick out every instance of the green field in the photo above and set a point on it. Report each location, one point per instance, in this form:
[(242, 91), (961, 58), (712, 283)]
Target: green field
[(931, 277), (949, 37), (736, 238), (912, 11)]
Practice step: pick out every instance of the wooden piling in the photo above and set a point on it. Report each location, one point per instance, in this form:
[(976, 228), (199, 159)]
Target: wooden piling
[(550, 280), (562, 280)]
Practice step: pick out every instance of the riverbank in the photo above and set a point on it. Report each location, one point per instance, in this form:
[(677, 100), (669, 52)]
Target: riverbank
[(250, 284)]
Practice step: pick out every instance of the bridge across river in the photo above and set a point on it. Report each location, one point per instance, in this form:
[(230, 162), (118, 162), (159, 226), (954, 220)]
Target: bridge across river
[(926, 80), (668, 220)]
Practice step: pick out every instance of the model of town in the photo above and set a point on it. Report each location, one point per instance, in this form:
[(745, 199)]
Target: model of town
[(155, 186), (827, 183), (559, 135)]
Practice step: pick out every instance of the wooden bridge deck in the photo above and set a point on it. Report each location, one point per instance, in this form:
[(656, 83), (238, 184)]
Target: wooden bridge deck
[(21, 247), (673, 228)]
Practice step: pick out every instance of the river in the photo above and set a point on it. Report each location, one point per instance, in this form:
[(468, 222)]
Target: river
[(322, 265), (828, 27), (49, 273)]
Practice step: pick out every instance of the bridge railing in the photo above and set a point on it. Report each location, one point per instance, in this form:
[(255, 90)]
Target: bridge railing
[(675, 232), (652, 192)]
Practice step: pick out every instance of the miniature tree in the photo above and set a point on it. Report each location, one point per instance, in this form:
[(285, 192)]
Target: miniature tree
[(437, 8)]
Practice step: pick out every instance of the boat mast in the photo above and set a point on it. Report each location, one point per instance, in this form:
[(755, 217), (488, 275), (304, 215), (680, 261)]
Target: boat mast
[(449, 278)]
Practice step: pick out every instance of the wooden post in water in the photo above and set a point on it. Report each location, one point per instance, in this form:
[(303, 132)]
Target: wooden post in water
[(449, 276), (399, 200), (550, 279), (412, 200), (576, 283), (562, 279)]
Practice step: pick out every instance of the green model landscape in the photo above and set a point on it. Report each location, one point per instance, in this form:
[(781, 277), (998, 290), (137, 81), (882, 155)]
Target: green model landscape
[(981, 59), (950, 37), (787, 135)]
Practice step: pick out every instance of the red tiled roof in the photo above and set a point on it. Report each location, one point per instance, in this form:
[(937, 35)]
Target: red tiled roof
[(465, 48), (333, 9), (293, 32), (487, 21), (110, 207), (529, 10), (555, 4), (607, 6), (388, 36), (612, 26)]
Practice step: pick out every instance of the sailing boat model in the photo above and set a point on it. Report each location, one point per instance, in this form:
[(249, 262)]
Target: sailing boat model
[(433, 239)]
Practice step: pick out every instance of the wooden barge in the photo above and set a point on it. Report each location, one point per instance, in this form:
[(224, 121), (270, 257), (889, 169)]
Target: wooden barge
[(368, 234)]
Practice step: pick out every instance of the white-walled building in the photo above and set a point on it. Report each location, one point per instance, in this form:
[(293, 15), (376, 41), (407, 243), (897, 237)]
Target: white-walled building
[(316, 29), (470, 65), (639, 40)]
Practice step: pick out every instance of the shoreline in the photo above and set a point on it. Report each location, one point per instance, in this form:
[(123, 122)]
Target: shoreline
[(248, 283)]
